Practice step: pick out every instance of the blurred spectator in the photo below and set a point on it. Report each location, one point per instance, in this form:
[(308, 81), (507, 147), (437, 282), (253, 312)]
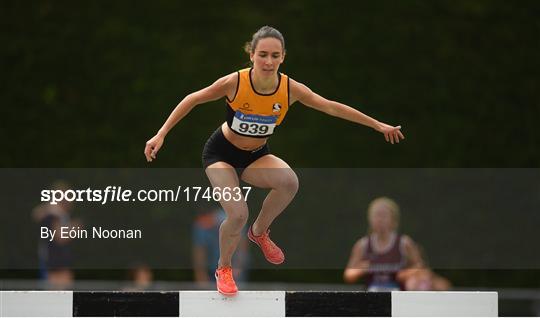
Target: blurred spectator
[(141, 278), (387, 259), (205, 236), (55, 257)]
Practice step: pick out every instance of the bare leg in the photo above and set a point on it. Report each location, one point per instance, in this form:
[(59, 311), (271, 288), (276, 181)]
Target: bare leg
[(271, 172), (223, 175)]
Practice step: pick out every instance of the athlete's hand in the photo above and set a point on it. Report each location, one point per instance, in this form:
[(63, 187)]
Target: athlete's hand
[(352, 274), (391, 133), (152, 147)]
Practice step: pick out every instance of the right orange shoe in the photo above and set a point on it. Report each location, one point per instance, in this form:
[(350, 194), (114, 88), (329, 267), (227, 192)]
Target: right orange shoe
[(225, 281), (271, 251)]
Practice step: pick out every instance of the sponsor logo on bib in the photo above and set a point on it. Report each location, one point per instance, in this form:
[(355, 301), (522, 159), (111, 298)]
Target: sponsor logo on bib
[(253, 125)]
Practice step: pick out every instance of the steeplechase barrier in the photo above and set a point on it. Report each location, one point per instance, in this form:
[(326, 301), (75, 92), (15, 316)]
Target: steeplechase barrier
[(246, 303)]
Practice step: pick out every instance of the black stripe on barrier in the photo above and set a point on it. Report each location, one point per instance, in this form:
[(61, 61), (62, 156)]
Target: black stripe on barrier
[(121, 304), (338, 304)]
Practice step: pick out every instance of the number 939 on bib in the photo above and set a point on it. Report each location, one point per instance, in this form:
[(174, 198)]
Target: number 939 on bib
[(253, 125)]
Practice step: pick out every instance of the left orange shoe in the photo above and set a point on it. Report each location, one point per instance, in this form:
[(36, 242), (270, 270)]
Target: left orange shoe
[(225, 281), (271, 251)]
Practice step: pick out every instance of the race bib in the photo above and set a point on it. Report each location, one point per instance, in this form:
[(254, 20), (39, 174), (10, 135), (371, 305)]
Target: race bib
[(253, 125)]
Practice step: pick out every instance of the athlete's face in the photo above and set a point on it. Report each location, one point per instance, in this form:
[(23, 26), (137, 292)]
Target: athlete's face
[(381, 219), (268, 56)]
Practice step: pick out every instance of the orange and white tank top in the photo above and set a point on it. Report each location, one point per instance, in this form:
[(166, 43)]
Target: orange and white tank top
[(253, 114)]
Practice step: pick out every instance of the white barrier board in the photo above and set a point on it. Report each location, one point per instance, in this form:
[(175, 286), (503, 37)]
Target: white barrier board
[(36, 304), (444, 304), (245, 304)]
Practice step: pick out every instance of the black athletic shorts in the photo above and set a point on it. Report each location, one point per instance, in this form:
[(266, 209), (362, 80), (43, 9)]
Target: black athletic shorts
[(218, 148)]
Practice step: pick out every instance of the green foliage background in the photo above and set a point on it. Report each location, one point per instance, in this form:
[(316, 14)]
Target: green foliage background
[(85, 84)]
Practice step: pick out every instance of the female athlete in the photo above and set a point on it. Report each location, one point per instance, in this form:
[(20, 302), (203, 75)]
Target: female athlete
[(258, 99)]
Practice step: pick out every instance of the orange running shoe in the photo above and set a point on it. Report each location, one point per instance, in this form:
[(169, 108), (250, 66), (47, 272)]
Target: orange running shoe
[(271, 251), (225, 281)]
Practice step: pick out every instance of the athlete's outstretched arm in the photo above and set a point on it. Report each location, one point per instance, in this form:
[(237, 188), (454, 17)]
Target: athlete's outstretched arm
[(217, 90), (302, 93)]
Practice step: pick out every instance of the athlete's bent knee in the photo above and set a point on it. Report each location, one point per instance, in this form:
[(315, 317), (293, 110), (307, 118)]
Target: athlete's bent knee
[(289, 183), (238, 218)]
